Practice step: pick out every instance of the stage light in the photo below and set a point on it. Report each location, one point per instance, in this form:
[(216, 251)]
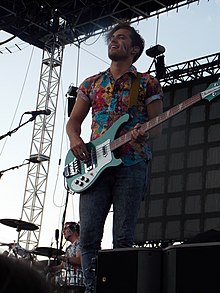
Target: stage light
[(72, 91), (155, 51), (160, 67), (71, 96)]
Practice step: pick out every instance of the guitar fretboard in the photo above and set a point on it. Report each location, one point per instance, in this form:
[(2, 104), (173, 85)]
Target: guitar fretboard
[(157, 120)]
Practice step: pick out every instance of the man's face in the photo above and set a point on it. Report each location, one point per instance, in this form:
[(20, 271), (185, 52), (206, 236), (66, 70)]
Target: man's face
[(120, 45), (67, 232)]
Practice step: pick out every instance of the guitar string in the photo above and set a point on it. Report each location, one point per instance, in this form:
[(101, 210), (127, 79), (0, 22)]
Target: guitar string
[(105, 148)]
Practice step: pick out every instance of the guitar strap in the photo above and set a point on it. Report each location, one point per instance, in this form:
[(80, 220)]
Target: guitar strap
[(134, 90)]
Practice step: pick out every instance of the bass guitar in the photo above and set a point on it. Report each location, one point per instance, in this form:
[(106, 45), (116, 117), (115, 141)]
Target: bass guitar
[(81, 175)]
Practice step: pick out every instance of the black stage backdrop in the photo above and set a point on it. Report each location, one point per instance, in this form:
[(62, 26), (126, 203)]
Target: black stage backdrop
[(184, 194)]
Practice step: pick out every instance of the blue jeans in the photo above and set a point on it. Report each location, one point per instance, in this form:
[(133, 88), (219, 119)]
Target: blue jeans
[(124, 188)]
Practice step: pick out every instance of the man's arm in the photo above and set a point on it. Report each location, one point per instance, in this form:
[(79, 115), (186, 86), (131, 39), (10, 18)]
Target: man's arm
[(73, 260)]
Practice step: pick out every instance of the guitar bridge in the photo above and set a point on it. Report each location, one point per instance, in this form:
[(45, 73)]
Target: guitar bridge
[(72, 169)]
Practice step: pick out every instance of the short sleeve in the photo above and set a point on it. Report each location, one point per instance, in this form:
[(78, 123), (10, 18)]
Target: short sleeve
[(154, 90)]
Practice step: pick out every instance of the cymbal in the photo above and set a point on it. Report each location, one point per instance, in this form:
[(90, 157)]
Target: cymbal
[(48, 251), (6, 244), (19, 224)]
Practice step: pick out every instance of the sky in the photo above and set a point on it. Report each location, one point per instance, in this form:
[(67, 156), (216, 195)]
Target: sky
[(187, 33)]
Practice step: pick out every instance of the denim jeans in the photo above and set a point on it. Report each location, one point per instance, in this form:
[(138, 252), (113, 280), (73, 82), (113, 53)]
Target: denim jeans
[(123, 187)]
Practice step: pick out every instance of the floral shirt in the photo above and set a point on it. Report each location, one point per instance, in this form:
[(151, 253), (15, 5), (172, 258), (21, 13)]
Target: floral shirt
[(109, 100)]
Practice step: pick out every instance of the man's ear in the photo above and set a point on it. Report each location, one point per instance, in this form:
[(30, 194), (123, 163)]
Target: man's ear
[(135, 50)]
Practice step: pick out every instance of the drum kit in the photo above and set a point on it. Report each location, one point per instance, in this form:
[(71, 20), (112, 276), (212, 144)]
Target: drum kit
[(18, 250), (64, 281)]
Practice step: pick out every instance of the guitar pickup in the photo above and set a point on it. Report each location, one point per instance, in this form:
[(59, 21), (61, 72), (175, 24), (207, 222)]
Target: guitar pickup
[(104, 151), (72, 169), (91, 163)]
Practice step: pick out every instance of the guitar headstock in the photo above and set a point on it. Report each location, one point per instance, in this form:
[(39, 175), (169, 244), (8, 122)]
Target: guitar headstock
[(212, 91)]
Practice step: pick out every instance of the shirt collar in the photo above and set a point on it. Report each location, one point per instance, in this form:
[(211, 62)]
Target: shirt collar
[(131, 69)]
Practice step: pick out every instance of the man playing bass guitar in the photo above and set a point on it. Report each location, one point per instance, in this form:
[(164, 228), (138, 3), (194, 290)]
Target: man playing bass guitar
[(123, 185)]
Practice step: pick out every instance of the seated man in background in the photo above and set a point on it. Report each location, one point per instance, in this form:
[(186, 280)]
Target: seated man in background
[(69, 271)]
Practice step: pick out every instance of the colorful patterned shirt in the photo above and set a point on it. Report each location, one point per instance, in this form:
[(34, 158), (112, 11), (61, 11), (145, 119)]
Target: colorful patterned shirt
[(109, 100)]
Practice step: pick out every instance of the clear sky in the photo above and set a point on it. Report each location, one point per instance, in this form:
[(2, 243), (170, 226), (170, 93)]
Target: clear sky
[(189, 33)]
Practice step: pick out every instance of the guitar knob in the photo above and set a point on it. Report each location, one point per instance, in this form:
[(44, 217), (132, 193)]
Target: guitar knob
[(82, 177), (86, 180), (76, 181)]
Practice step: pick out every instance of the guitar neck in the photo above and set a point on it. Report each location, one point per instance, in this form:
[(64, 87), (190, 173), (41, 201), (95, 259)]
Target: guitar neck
[(157, 120)]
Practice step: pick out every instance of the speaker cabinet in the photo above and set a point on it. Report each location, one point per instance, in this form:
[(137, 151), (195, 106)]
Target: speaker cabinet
[(191, 268), (129, 270)]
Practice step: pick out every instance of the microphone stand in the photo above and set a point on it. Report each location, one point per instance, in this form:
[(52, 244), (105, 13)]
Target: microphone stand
[(12, 168), (9, 133), (57, 243), (63, 219)]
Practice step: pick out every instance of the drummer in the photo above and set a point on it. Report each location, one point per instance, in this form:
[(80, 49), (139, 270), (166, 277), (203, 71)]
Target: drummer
[(72, 258)]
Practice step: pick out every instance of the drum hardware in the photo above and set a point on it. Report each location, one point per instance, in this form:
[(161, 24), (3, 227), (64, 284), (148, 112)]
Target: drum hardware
[(42, 264), (69, 278), (48, 251), (19, 224), (7, 244)]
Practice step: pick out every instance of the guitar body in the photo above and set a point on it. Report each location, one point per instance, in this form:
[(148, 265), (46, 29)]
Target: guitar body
[(81, 175)]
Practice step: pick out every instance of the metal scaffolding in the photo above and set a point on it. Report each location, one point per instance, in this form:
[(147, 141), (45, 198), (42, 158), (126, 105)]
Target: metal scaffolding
[(191, 70), (36, 182)]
